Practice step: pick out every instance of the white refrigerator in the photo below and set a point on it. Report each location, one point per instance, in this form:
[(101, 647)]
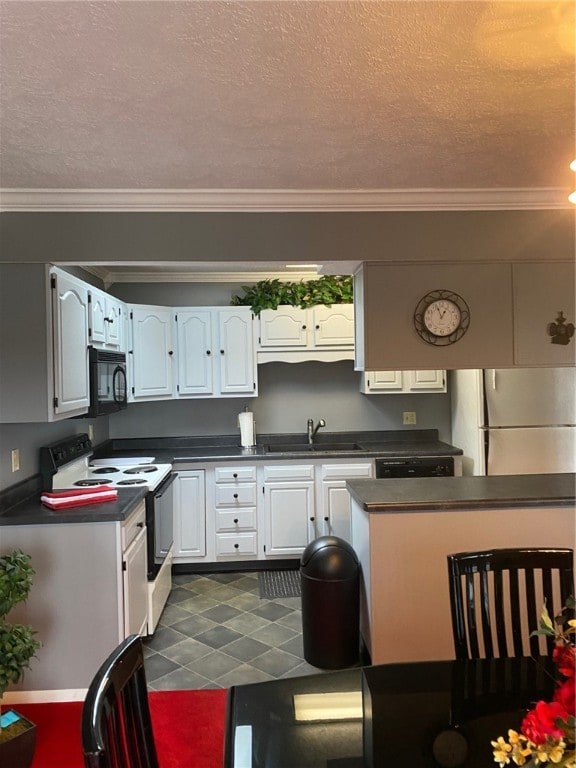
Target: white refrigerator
[(515, 421)]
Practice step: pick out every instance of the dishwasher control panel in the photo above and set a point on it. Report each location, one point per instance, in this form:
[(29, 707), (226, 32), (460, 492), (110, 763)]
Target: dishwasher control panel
[(415, 466)]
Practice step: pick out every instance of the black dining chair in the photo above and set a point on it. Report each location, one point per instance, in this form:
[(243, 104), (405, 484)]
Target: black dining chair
[(496, 598), (116, 724)]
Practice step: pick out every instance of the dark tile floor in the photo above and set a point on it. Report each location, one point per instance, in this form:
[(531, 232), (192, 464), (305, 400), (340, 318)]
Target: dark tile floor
[(216, 631)]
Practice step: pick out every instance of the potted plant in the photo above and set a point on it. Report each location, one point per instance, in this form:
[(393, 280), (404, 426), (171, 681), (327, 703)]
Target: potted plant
[(17, 648), (270, 294)]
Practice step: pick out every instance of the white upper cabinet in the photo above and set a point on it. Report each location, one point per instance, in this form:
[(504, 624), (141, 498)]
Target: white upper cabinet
[(237, 361), (152, 353), (402, 382), (292, 334), (106, 318), (70, 334), (544, 310), (215, 348), (195, 352)]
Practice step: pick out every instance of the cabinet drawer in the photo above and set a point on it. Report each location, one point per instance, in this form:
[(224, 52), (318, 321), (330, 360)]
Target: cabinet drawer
[(236, 520), (235, 474), (243, 495), (236, 544), (346, 471), (282, 471), (132, 527)]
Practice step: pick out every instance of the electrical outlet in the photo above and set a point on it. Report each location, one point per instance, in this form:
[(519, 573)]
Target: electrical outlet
[(15, 460), (90, 432), (409, 417)]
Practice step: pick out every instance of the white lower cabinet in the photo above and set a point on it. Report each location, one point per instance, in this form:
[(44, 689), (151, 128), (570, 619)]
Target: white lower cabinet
[(134, 574), (289, 508), (235, 512), (265, 510), (189, 516), (334, 499)]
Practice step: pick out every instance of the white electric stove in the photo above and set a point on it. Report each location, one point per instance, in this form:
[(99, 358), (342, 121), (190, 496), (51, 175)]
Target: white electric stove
[(70, 464), (126, 472)]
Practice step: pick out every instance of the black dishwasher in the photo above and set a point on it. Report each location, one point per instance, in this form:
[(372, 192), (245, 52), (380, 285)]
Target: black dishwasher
[(415, 466)]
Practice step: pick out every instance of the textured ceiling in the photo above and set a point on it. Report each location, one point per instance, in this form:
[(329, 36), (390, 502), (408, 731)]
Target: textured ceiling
[(286, 95)]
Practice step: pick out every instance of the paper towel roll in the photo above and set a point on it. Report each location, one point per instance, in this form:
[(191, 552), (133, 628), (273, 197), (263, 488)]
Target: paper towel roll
[(246, 424)]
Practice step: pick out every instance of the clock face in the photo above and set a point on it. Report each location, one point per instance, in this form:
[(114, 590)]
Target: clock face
[(441, 318)]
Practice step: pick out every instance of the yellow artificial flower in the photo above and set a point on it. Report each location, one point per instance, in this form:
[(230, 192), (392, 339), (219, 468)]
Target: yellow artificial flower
[(501, 752), (551, 750)]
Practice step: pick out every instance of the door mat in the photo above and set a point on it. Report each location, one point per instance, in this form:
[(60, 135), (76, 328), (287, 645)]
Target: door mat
[(279, 584)]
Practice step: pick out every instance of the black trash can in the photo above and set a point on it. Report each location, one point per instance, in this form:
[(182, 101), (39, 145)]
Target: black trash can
[(330, 575)]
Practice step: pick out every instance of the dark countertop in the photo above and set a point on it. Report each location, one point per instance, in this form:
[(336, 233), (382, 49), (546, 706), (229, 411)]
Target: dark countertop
[(20, 505), (461, 493), (420, 442), (31, 511)]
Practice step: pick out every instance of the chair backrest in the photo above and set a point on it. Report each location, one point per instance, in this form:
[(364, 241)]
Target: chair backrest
[(116, 725), (496, 598)]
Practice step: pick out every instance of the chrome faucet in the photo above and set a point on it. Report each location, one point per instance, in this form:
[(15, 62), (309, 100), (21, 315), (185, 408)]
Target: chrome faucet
[(313, 429)]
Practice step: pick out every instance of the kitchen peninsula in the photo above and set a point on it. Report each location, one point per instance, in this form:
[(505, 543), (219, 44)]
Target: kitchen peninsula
[(403, 531)]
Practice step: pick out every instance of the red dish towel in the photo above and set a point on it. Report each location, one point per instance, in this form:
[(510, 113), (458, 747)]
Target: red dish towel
[(80, 497)]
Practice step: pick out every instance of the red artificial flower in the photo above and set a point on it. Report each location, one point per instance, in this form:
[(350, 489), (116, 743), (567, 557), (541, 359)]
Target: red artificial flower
[(541, 721), (564, 656), (566, 696)]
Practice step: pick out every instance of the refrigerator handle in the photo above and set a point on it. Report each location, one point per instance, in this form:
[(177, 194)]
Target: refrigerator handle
[(494, 387)]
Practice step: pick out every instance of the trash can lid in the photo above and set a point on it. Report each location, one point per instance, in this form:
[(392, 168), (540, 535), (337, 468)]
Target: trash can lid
[(329, 558)]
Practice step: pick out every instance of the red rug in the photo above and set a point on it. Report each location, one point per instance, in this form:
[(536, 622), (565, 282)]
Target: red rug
[(188, 730)]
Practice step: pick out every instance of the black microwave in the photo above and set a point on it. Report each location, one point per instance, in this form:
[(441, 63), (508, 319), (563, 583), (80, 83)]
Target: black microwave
[(108, 383)]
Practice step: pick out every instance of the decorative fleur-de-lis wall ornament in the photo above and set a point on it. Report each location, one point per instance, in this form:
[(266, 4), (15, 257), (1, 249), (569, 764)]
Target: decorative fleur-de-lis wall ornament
[(560, 331)]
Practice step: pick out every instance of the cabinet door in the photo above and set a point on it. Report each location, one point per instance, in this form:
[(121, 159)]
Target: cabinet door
[(335, 499), (152, 352), (105, 320), (425, 381), (283, 327), (541, 292), (98, 317), (70, 329), (115, 324), (135, 584), (195, 353), (236, 356), (189, 515), (382, 381), (333, 326), (290, 517), (336, 511)]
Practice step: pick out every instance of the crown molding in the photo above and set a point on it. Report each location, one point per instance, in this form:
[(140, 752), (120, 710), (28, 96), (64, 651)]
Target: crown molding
[(190, 275), (280, 200)]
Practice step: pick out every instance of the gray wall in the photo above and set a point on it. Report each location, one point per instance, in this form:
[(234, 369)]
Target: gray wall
[(305, 237), (28, 438), (290, 394)]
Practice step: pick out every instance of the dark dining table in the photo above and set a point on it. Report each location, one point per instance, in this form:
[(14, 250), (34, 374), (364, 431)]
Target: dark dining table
[(439, 714)]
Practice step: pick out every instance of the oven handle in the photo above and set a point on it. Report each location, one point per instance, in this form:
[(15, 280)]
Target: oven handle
[(158, 493)]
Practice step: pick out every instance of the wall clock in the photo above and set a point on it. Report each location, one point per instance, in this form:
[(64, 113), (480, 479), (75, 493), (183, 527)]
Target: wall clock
[(441, 318)]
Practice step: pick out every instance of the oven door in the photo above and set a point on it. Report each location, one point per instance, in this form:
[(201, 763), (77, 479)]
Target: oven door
[(160, 523)]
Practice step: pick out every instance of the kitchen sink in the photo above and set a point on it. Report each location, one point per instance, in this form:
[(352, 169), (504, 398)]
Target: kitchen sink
[(307, 448), (289, 448), (330, 447)]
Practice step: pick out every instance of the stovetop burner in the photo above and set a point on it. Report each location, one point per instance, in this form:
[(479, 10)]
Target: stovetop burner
[(132, 481), (88, 482), (103, 470), (140, 469)]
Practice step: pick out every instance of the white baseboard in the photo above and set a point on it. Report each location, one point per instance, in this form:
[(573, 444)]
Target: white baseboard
[(40, 697)]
